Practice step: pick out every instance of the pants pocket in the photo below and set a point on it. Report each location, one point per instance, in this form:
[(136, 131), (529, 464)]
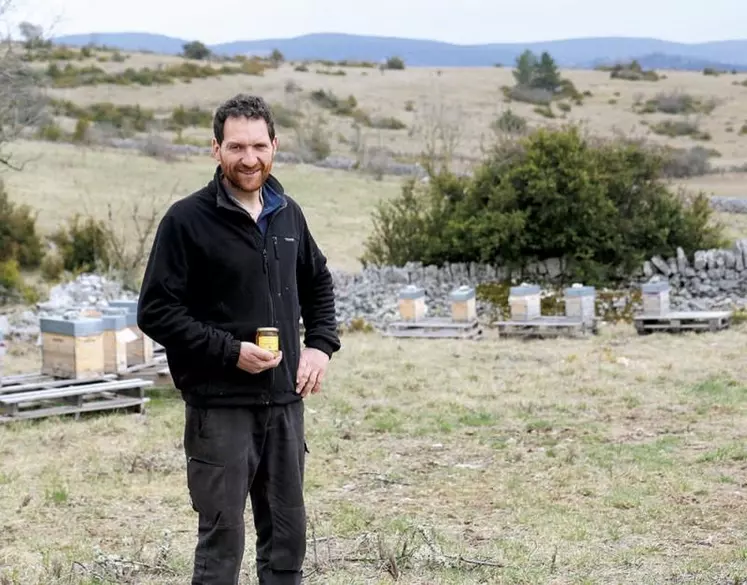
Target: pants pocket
[(206, 482)]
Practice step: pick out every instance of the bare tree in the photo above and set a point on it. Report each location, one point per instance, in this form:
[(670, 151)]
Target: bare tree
[(22, 99), (439, 126)]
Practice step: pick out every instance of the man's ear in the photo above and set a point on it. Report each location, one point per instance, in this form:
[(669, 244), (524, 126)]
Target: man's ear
[(215, 149), (274, 145)]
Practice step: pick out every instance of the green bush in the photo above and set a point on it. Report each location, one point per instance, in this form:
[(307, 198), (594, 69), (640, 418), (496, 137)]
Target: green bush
[(10, 276), (127, 117), (71, 76), (18, 238), (601, 206), (394, 63), (52, 267), (182, 117), (83, 245)]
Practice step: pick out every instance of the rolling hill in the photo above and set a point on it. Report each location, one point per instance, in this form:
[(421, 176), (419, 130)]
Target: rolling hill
[(578, 53)]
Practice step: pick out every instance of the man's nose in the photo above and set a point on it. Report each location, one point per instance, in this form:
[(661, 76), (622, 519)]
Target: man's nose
[(250, 157)]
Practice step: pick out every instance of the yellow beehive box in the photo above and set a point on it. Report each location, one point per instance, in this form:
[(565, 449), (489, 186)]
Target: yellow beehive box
[(139, 346), (412, 303), (72, 348), (463, 304), (524, 302)]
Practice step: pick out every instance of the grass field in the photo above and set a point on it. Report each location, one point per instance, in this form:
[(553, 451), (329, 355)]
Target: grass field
[(61, 179), (469, 98), (612, 460)]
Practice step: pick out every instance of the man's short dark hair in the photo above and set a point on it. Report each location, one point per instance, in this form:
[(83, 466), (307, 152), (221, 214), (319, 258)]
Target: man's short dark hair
[(242, 106)]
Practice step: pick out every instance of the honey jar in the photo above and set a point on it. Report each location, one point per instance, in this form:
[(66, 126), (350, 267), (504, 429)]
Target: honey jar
[(269, 338)]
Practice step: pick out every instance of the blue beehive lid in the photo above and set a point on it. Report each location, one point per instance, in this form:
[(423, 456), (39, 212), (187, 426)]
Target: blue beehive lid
[(73, 328), (411, 292), (524, 290), (128, 304), (580, 291), (655, 287), (463, 293), (130, 317), (114, 322)]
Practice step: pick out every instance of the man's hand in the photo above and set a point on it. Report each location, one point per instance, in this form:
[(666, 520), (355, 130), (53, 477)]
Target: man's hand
[(254, 359), (311, 369)]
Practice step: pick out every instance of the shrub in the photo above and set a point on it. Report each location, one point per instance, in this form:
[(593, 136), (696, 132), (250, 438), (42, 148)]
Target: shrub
[(387, 123), (394, 63), (18, 238), (83, 245), (677, 102), (632, 72), (683, 127), (602, 207), (52, 266), (10, 276), (182, 117), (682, 163), (126, 118), (510, 123)]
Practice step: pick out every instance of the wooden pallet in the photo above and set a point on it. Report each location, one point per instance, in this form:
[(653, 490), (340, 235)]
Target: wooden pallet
[(679, 321), (64, 397), (156, 370), (435, 328), (547, 326)]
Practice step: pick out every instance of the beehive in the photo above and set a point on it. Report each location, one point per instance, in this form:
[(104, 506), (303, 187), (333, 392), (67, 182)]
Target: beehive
[(655, 298), (580, 302), (140, 347), (524, 302), (116, 337), (412, 303), (72, 348), (463, 304)]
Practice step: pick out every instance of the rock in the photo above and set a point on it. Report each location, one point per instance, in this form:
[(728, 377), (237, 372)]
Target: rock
[(682, 263), (700, 260), (661, 265)]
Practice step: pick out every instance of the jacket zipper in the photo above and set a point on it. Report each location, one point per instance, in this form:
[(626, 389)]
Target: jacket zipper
[(269, 277)]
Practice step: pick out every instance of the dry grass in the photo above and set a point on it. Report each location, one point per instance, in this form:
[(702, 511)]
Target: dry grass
[(60, 180), (618, 459), (472, 97)]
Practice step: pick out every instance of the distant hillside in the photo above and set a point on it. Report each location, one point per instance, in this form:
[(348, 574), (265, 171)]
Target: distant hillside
[(580, 53)]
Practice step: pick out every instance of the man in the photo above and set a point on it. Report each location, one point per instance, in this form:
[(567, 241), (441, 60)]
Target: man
[(228, 259)]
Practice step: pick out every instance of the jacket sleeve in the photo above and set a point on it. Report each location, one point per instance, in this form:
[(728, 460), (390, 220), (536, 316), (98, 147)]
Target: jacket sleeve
[(317, 296), (163, 314)]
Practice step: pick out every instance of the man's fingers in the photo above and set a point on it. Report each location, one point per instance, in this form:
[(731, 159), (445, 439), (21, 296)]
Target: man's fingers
[(302, 376), (318, 384), (310, 383)]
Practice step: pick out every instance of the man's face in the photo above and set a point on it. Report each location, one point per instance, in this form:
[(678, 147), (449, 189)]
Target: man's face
[(246, 153)]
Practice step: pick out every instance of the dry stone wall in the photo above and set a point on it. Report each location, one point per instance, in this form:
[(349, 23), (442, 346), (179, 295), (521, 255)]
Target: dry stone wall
[(709, 279)]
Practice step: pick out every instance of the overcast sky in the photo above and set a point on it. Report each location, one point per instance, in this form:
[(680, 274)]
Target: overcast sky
[(457, 21)]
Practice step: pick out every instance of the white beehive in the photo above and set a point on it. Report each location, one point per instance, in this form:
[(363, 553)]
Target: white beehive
[(580, 302), (655, 298), (524, 301)]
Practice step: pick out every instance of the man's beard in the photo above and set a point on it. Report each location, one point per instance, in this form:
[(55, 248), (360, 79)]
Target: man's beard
[(237, 176)]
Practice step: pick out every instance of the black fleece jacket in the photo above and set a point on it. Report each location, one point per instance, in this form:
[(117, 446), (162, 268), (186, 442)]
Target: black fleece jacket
[(213, 278)]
